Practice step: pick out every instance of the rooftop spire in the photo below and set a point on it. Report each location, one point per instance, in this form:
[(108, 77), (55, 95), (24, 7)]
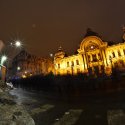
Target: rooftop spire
[(60, 49)]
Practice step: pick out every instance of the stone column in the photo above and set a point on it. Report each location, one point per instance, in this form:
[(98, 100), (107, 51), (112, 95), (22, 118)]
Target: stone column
[(91, 57), (97, 56), (104, 57), (116, 53), (121, 51), (85, 62), (82, 62), (122, 54)]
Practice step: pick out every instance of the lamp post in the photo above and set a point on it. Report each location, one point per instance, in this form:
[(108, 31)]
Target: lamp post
[(10, 50)]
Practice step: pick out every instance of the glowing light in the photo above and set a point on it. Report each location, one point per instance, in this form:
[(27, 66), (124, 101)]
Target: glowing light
[(23, 76), (92, 47), (51, 55), (31, 74), (11, 43), (3, 59), (18, 68), (17, 43)]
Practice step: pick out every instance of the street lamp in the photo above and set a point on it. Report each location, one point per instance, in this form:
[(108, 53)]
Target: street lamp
[(16, 43)]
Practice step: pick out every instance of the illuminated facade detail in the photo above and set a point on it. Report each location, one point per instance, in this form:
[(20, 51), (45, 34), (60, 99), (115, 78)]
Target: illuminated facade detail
[(25, 65), (93, 54)]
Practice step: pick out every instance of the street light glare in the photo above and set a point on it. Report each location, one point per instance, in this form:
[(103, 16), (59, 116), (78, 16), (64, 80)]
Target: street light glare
[(3, 59), (11, 43), (18, 68), (51, 55), (17, 43)]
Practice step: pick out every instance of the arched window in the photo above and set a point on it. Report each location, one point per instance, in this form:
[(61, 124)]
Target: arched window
[(113, 54), (77, 62), (94, 58), (119, 54), (110, 57), (124, 51), (72, 63), (59, 66), (67, 64), (89, 58)]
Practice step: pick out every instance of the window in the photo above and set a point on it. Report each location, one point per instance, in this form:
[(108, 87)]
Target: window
[(77, 62), (72, 63), (59, 66), (99, 56), (124, 51), (110, 57), (89, 58), (119, 54), (67, 64), (94, 58), (113, 54)]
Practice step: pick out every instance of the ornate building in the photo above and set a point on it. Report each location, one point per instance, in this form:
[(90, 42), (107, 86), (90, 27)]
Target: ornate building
[(94, 55), (25, 64)]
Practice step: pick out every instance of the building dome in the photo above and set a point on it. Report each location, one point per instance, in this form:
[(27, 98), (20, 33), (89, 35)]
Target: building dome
[(60, 53)]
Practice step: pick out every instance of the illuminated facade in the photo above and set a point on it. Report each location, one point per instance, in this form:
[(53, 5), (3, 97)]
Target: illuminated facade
[(25, 65), (94, 55)]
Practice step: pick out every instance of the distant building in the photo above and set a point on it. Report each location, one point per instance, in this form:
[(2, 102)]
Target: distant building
[(94, 55), (25, 65)]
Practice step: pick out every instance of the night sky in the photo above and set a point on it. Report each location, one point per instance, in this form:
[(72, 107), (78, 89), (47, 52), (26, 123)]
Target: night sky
[(44, 25)]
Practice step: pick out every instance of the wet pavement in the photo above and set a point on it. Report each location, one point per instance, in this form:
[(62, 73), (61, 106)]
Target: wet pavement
[(49, 111)]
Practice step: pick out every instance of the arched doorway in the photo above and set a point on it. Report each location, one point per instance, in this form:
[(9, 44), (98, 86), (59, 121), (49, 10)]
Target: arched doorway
[(93, 53), (94, 58)]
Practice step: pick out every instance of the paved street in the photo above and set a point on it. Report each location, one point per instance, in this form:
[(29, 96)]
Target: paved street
[(49, 111)]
